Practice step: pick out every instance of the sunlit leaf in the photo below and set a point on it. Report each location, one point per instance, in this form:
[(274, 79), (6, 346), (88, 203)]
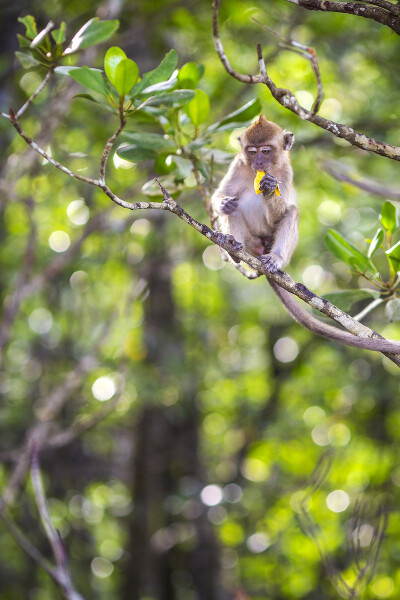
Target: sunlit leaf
[(345, 251), (198, 109), (113, 57), (126, 74), (344, 299), (144, 146), (30, 25), (188, 76), (389, 217), (158, 88), (93, 32), (376, 242), (160, 73)]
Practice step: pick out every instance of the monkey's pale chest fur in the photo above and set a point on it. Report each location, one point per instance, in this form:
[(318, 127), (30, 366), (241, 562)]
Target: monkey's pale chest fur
[(256, 213)]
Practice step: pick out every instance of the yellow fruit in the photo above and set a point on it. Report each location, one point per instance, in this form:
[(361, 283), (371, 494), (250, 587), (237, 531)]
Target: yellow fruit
[(259, 176)]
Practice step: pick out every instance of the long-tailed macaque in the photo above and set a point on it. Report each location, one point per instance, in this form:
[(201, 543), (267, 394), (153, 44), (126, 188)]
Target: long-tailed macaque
[(266, 225)]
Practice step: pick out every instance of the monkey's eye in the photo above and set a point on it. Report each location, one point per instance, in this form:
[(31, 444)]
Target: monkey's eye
[(265, 150), (251, 151)]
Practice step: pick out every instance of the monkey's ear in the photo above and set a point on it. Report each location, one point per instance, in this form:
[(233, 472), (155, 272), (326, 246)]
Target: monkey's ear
[(288, 139)]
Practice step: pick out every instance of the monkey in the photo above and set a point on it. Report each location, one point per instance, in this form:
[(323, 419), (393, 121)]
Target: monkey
[(266, 225)]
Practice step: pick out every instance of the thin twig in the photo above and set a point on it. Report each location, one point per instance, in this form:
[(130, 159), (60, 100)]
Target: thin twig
[(368, 309), (41, 87), (110, 141), (306, 52), (53, 536)]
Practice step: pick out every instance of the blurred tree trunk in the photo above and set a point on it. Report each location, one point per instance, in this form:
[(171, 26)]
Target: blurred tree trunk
[(172, 545)]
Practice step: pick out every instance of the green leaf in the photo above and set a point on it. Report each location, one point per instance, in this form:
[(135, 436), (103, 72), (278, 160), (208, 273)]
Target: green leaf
[(91, 78), (392, 310), (158, 88), (389, 217), (93, 32), (188, 76), (23, 41), (150, 141), (27, 61), (113, 57), (344, 299), (376, 242), (160, 73), (58, 35), (126, 74), (176, 98), (197, 110), (393, 255), (136, 154), (97, 99), (30, 25), (345, 251), (245, 113)]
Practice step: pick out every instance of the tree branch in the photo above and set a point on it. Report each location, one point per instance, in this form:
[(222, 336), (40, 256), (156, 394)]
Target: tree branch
[(377, 13), (287, 99), (228, 243), (376, 188)]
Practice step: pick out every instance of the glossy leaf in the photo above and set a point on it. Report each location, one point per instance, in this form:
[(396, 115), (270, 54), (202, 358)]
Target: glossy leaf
[(97, 99), (345, 251), (126, 74), (58, 35), (173, 99), (245, 113), (158, 88), (389, 217), (160, 73), (30, 25), (376, 242), (136, 153), (91, 78), (93, 32), (198, 109), (344, 299), (113, 57), (188, 76)]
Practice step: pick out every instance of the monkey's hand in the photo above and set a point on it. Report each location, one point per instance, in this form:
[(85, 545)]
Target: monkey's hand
[(271, 262), (228, 239), (268, 183), (229, 205)]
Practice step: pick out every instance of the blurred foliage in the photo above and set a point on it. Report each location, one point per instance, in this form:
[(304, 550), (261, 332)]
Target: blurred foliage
[(270, 400)]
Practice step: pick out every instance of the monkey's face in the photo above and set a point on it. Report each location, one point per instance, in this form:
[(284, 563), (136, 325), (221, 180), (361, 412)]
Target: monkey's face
[(260, 158)]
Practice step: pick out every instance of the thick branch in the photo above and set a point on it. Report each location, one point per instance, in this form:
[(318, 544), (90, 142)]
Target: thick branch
[(376, 13), (281, 278)]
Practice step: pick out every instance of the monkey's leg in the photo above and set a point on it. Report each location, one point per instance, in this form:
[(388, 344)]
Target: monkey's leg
[(285, 240)]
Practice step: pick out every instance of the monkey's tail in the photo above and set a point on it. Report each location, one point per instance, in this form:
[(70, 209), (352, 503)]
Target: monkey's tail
[(328, 331)]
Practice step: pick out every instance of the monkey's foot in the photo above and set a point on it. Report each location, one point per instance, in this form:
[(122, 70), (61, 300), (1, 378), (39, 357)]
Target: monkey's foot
[(268, 183), (229, 240), (271, 262), (229, 205)]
